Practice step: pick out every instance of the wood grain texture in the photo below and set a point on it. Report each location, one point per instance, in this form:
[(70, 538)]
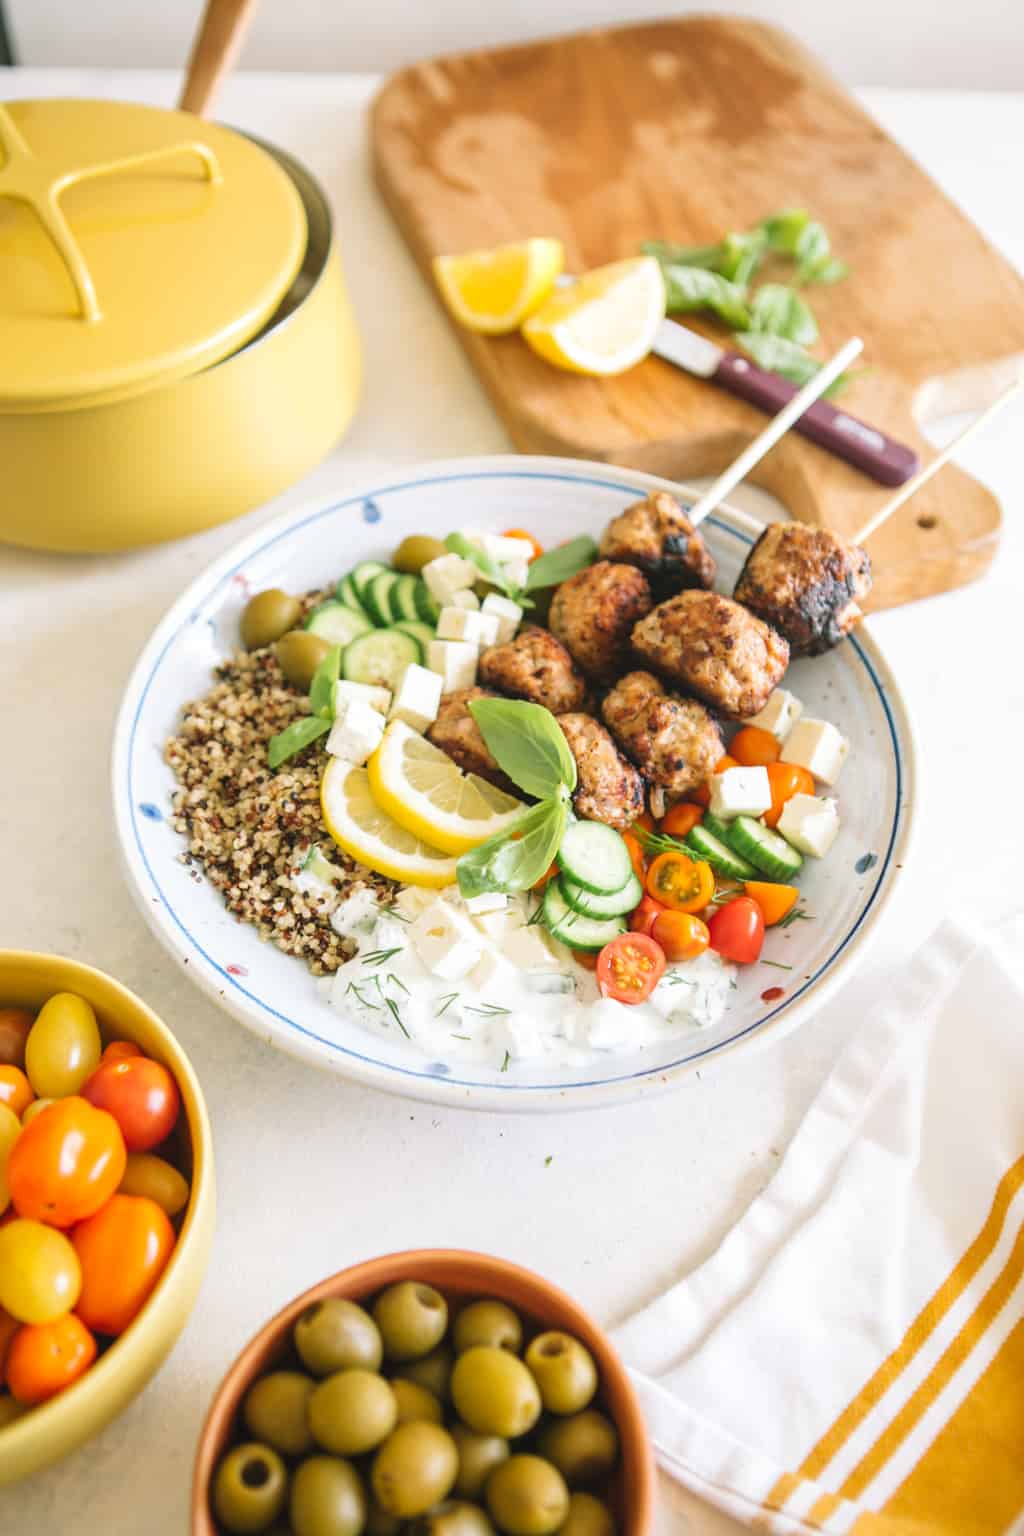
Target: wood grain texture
[(681, 130)]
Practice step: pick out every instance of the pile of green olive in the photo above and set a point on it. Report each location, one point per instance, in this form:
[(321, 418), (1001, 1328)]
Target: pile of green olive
[(399, 1419)]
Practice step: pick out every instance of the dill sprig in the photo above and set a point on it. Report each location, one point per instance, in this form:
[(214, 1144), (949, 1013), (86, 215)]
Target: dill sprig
[(446, 1003), (365, 1002), (798, 915), (380, 956), (398, 982), (777, 964), (392, 1008), (504, 1065), (487, 1010)]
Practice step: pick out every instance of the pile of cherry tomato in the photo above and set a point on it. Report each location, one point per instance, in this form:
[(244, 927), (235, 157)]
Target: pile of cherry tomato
[(88, 1193)]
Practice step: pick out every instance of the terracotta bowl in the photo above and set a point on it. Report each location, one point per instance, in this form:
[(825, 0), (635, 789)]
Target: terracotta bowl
[(457, 1275)]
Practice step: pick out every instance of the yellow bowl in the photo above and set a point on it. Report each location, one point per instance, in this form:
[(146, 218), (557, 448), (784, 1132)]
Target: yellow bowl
[(44, 1434)]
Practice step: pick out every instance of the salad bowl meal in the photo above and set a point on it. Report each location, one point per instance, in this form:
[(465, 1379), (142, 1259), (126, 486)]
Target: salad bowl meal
[(500, 784)]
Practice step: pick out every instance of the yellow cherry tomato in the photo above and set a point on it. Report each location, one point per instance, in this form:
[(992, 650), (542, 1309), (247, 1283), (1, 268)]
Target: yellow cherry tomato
[(35, 1108), (156, 1179), (40, 1276), (685, 885), (63, 1046), (10, 1130)]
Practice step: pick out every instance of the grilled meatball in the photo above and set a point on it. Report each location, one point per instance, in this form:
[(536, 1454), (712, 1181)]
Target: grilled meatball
[(806, 582), (712, 647), (593, 614), (457, 733), (656, 536), (534, 666), (608, 788), (674, 742)]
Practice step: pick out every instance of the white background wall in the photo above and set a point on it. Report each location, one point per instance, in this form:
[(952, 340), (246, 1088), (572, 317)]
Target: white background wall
[(975, 43)]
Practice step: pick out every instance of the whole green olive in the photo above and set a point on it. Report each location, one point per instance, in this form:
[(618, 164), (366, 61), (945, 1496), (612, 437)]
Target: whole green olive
[(415, 1402), (478, 1457), (352, 1412), (416, 551), (527, 1496), (487, 1322), (275, 1408), (414, 1469), (587, 1517), (563, 1370), (583, 1446), (327, 1498), (412, 1319), (494, 1393), (455, 1519), (434, 1371), (299, 653), (267, 616), (337, 1335), (249, 1489)]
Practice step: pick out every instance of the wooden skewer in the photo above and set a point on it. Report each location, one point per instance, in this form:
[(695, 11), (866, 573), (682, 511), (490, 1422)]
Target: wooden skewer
[(214, 51), (924, 475)]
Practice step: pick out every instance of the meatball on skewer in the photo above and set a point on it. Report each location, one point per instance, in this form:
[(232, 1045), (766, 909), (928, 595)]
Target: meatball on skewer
[(537, 667), (608, 788), (807, 583), (674, 742), (457, 733), (593, 614), (712, 647), (658, 538)]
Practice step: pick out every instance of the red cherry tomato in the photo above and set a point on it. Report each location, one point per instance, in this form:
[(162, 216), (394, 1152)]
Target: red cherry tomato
[(119, 1050), (630, 967), (44, 1358), (123, 1251), (641, 919), (521, 533), (786, 780), (586, 958), (737, 930), (682, 818), (681, 935), (141, 1095), (753, 747), (66, 1163)]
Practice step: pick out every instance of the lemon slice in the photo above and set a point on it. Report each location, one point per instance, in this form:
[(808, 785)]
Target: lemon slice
[(605, 321), (494, 291), (362, 829), (420, 787)]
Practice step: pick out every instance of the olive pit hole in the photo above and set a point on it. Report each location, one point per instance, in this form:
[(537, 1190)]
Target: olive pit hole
[(927, 521), (255, 1472), (312, 1313), (553, 1347), (428, 1298)]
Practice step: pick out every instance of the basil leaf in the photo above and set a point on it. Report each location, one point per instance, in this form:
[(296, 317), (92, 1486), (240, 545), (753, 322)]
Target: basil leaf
[(690, 288), (813, 249), (321, 689), (782, 230), (527, 743), (561, 563), (778, 355), (708, 256), (458, 544), (831, 271), (515, 859), (295, 738), (780, 311), (741, 256)]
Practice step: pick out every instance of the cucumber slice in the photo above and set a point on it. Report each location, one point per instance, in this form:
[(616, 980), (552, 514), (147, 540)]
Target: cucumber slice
[(426, 608), (765, 848), (377, 596), (573, 928), (421, 633), (380, 657), (346, 593), (595, 857), (403, 599), (589, 904), (363, 575), (707, 845), (716, 827), (337, 623)]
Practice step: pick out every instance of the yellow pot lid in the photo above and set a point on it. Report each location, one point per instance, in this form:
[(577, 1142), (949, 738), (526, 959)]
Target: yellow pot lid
[(136, 246)]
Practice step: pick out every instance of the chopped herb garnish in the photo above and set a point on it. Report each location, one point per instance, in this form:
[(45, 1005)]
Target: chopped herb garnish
[(392, 1007), (392, 911), (398, 982), (462, 1037), (777, 964), (487, 1010), (536, 916), (504, 1065), (379, 956), (353, 988), (673, 979), (798, 915), (548, 1160), (446, 1003)]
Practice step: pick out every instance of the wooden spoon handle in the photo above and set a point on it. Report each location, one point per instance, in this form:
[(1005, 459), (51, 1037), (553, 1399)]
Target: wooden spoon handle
[(214, 51)]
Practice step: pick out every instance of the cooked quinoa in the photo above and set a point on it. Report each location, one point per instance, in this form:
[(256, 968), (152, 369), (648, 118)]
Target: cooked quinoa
[(250, 828)]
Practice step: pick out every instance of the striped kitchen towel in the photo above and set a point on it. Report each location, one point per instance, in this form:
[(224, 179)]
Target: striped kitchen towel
[(851, 1359)]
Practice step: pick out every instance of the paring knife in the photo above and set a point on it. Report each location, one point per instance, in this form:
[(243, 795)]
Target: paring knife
[(882, 458)]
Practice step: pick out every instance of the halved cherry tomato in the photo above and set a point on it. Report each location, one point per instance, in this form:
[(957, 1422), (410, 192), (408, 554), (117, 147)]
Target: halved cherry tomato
[(685, 885), (15, 1090), (66, 1163), (681, 935), (141, 1095), (641, 919), (44, 1358), (737, 930), (636, 855), (754, 748), (521, 533), (786, 780), (119, 1050), (549, 874), (702, 794), (123, 1251), (630, 967), (774, 900), (645, 820), (682, 818)]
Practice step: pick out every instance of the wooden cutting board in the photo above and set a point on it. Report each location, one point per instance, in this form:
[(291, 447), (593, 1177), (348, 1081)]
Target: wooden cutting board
[(682, 130)]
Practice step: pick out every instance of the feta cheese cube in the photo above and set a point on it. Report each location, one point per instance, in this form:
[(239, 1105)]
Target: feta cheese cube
[(356, 732), (493, 925), (508, 614), (516, 571), (418, 698), (462, 624), (412, 900), (817, 745), (779, 715), (487, 901), (502, 549), (467, 598), (527, 948), (490, 971), (740, 792), (447, 575), (344, 692), (810, 823), (446, 941), (455, 663)]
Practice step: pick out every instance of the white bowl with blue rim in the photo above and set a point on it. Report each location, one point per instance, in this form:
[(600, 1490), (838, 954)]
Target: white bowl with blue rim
[(273, 994)]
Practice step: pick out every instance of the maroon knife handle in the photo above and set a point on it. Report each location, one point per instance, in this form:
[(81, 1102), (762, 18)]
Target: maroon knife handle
[(867, 448)]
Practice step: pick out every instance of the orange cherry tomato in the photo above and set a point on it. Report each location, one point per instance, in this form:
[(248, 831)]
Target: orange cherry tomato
[(44, 1358), (123, 1251), (737, 930), (15, 1024), (641, 919), (521, 533), (774, 900), (120, 1050), (681, 935), (636, 855), (8, 1328), (586, 958), (685, 885), (754, 748), (630, 967), (786, 780), (702, 794), (15, 1090), (645, 820), (141, 1095), (549, 874), (66, 1163), (682, 818)]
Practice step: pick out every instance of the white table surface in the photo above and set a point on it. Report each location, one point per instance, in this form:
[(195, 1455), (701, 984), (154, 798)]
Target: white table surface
[(314, 1174)]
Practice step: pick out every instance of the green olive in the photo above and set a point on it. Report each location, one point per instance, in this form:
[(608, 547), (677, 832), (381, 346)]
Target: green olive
[(414, 1469), (415, 1402), (527, 1496), (583, 1447), (327, 1498), (337, 1335), (478, 1457), (456, 1519), (352, 1412), (274, 1411), (487, 1322), (494, 1393), (434, 1372), (417, 551), (249, 1489), (412, 1319), (563, 1370), (267, 616), (587, 1517), (299, 653)]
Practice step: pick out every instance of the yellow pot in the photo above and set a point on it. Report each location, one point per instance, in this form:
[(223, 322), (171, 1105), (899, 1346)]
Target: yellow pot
[(46, 1433)]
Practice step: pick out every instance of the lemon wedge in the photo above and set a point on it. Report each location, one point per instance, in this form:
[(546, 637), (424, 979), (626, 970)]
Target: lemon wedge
[(421, 789), (494, 291), (604, 322), (359, 826)]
